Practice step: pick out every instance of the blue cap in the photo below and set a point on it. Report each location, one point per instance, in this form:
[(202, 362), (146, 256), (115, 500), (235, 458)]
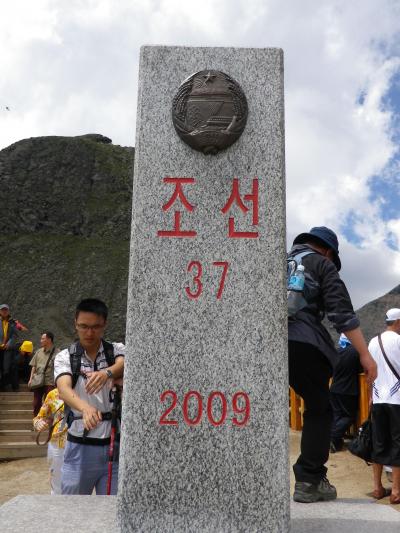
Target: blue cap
[(326, 236)]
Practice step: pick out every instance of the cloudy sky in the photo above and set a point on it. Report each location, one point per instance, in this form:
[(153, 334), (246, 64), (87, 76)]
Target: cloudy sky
[(69, 68)]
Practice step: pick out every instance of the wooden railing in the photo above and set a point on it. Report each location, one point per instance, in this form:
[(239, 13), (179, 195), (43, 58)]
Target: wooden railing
[(296, 406)]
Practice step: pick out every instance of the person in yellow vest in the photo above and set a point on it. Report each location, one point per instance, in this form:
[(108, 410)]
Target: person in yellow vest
[(50, 418), (8, 335)]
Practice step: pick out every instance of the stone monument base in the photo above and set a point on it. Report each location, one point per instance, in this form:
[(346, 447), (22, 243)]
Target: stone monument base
[(97, 514)]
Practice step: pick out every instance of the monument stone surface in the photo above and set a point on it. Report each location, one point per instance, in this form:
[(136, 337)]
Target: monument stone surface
[(205, 408), (28, 513)]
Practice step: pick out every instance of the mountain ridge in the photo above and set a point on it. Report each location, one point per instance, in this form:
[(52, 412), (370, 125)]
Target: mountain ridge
[(372, 315), (65, 233), (65, 230)]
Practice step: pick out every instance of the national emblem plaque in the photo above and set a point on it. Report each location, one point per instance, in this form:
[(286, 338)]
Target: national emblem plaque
[(209, 111)]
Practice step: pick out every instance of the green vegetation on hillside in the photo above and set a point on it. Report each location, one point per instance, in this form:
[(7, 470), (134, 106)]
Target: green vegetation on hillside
[(68, 235)]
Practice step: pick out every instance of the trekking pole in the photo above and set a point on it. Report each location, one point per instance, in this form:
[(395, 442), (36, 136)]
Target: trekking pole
[(114, 395)]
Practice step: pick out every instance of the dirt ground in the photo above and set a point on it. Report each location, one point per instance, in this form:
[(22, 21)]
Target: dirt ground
[(351, 476)]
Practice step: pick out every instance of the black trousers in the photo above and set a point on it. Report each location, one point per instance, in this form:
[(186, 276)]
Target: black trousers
[(9, 368), (309, 374), (344, 407), (386, 434)]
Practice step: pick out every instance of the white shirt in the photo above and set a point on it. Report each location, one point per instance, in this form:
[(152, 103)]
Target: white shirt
[(100, 400), (386, 387)]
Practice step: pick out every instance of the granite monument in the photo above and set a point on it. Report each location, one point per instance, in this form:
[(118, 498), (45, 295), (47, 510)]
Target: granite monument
[(205, 408)]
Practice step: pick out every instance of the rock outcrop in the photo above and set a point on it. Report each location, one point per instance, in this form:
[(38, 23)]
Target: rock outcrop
[(65, 213), (372, 314), (64, 230)]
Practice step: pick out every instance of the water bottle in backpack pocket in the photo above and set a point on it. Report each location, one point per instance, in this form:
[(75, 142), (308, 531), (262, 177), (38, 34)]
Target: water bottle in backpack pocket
[(295, 289)]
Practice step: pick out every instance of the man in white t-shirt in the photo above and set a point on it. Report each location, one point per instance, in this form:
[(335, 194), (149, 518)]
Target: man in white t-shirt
[(84, 375), (386, 406)]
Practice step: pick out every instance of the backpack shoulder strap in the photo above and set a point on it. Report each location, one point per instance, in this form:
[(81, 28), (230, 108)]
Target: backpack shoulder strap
[(109, 352), (75, 355), (298, 257), (294, 260)]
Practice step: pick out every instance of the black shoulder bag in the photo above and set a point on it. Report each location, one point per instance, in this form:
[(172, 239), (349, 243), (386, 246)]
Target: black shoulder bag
[(361, 446)]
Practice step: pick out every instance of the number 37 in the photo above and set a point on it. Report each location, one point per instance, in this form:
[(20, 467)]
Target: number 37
[(196, 269)]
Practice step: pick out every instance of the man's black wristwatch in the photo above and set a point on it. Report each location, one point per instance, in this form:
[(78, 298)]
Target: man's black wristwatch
[(109, 373)]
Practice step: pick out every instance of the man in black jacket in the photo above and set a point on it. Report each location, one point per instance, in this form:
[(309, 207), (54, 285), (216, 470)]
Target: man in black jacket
[(312, 356), (344, 392)]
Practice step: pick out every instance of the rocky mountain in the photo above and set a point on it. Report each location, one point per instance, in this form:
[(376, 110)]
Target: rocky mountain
[(372, 315), (64, 230), (65, 212)]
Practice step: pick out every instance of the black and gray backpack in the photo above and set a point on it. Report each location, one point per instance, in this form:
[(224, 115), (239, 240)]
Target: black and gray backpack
[(75, 355), (311, 287)]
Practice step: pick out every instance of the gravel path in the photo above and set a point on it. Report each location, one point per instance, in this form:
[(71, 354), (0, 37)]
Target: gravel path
[(351, 476)]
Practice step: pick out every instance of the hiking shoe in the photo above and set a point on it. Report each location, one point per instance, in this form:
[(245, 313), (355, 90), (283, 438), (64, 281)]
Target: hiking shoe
[(336, 446), (314, 492)]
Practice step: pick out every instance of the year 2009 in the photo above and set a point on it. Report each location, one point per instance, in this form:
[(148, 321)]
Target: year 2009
[(216, 408)]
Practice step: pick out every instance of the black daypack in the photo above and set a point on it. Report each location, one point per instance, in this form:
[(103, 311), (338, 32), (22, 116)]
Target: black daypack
[(311, 287), (75, 355)]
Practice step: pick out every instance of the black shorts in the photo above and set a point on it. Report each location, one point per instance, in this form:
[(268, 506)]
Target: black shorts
[(386, 434)]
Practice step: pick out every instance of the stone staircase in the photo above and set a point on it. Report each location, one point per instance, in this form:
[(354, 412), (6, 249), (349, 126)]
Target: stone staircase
[(17, 440)]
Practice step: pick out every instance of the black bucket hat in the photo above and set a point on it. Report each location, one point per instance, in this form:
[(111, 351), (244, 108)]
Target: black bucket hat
[(326, 237)]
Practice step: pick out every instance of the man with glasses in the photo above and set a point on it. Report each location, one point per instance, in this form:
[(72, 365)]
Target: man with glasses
[(86, 391)]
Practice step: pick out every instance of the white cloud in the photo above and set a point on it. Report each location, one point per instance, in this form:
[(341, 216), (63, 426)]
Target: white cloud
[(71, 68), (377, 271)]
